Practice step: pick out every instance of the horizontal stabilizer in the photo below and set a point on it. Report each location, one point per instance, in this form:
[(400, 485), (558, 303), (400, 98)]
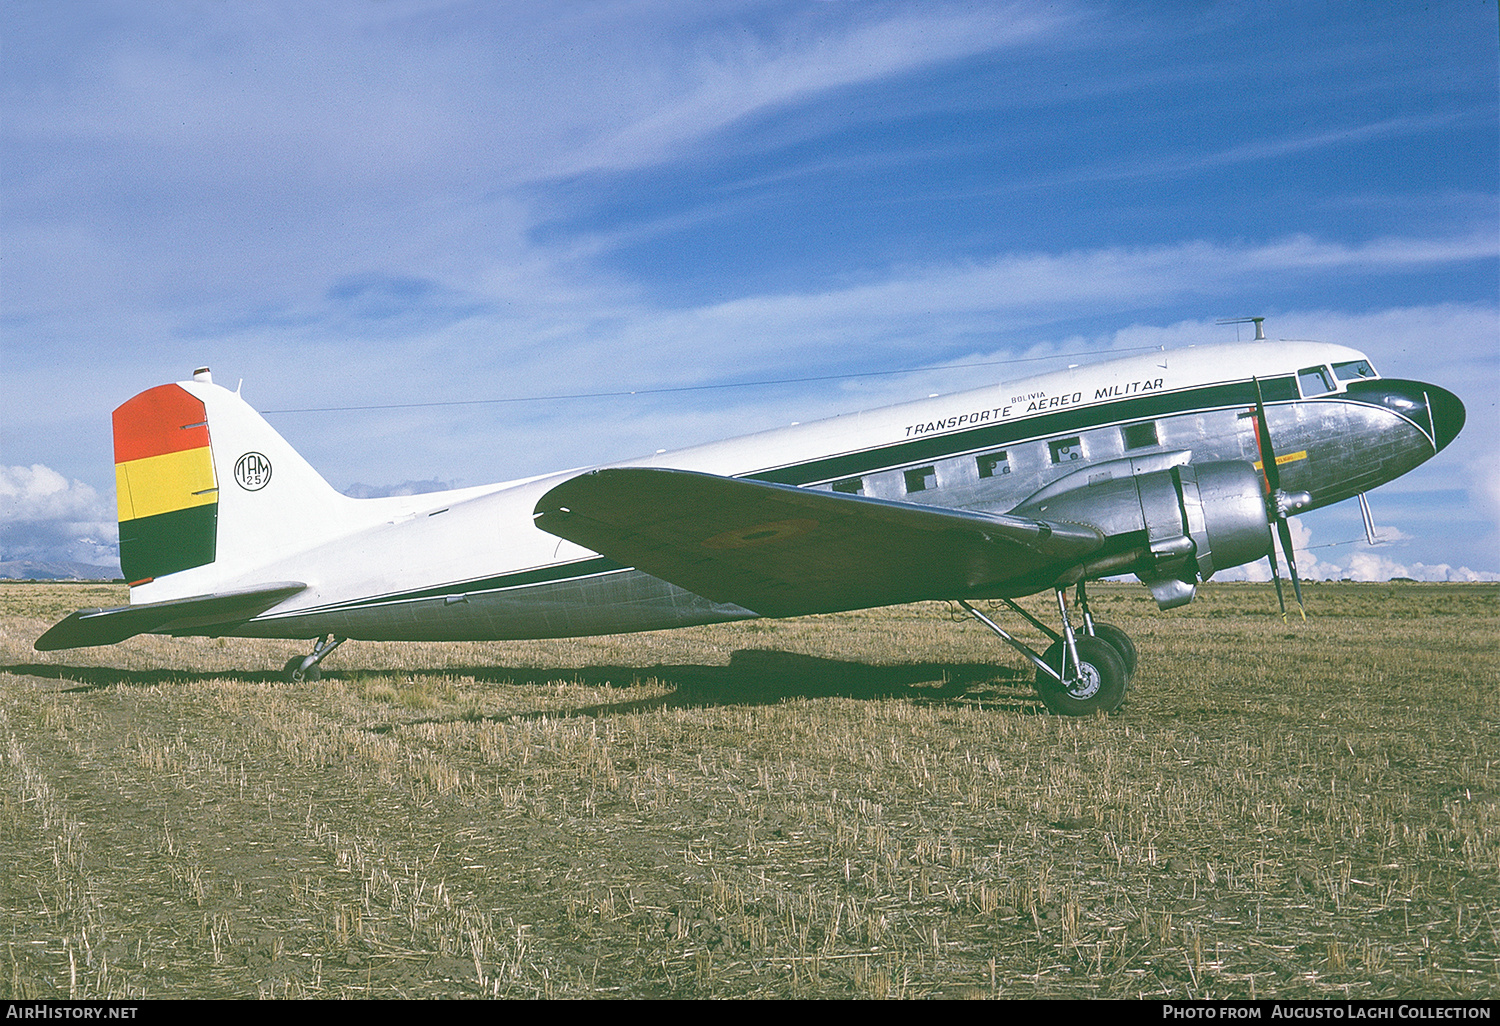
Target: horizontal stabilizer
[(785, 551), (107, 626)]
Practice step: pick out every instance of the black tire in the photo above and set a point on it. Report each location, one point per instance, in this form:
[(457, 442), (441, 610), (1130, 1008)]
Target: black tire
[(1121, 643), (289, 671), (1099, 687)]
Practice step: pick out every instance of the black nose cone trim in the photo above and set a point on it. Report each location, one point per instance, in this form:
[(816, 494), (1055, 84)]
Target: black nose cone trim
[(1429, 407), (1447, 415)]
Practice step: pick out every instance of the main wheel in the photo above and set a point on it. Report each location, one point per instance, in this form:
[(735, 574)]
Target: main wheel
[(294, 673), (1096, 685), (1121, 643)]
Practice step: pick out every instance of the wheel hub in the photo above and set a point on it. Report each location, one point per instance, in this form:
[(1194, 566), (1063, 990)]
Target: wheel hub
[(1086, 683)]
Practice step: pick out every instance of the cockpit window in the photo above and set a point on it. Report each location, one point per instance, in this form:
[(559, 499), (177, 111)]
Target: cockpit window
[(1354, 369), (1314, 380)]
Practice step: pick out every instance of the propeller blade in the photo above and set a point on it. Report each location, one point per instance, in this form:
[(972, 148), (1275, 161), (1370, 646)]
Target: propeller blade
[(1284, 529), (1271, 474), (1268, 468), (1276, 579)]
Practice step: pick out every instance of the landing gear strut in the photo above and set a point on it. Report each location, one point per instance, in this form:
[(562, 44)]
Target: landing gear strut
[(305, 668), (1084, 671), (1109, 634)]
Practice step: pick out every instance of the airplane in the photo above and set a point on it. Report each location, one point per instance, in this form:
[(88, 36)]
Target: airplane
[(1160, 465)]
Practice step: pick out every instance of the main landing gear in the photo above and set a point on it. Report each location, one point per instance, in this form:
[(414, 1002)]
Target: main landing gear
[(305, 668), (1085, 670)]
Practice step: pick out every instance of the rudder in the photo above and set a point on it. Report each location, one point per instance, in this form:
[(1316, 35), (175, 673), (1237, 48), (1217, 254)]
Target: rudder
[(165, 486)]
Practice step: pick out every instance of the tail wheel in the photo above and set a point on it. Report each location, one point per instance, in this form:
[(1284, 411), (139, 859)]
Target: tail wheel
[(1096, 684), (1121, 643)]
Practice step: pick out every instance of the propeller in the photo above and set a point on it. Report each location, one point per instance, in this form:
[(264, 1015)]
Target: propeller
[(1279, 505)]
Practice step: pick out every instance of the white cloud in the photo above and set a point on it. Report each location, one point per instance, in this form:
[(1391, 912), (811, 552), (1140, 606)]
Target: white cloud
[(1488, 480), (1314, 562), (273, 151), (939, 307), (739, 76), (45, 516), (1372, 566)]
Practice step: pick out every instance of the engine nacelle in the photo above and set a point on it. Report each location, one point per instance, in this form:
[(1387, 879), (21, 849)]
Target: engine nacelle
[(1228, 525), (1169, 526)]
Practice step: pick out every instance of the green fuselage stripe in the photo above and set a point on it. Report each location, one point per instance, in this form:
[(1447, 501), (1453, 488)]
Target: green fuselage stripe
[(929, 447)]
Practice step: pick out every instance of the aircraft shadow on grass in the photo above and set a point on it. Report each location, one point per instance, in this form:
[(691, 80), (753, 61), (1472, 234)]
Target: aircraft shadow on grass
[(753, 677)]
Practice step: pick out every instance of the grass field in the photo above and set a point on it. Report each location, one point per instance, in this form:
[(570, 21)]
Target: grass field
[(864, 805)]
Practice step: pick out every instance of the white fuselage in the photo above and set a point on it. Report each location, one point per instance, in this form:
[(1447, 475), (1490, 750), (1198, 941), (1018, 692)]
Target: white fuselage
[(470, 563)]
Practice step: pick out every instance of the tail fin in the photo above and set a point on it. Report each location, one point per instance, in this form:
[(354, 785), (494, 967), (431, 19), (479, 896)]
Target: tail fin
[(208, 491), (165, 486)]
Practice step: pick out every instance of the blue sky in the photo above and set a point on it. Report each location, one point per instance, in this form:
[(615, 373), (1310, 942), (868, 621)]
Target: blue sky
[(360, 204)]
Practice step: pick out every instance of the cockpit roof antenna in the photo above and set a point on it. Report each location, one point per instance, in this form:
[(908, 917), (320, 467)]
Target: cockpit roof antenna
[(1259, 322)]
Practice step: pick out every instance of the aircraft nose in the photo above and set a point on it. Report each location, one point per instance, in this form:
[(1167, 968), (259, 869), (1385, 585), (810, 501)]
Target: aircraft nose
[(1429, 407), (1447, 415)]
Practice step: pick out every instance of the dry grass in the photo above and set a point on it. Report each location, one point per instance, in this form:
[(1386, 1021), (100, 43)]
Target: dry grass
[(866, 805)]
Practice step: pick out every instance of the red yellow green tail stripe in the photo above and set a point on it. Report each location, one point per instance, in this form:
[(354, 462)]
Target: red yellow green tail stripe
[(164, 478)]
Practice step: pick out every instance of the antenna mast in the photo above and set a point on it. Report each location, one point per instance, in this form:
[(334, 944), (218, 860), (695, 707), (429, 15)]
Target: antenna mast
[(1259, 322)]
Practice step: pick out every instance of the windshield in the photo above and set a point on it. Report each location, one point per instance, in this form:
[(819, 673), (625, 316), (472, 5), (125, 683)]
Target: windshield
[(1352, 370), (1314, 381)]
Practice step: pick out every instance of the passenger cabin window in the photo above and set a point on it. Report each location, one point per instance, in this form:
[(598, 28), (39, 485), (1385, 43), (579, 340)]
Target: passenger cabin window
[(993, 464), (921, 479), (1066, 450), (850, 486), (1140, 436), (1314, 380), (1352, 370)]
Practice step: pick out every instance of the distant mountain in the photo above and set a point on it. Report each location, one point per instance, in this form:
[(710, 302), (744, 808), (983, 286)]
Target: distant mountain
[(56, 570)]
